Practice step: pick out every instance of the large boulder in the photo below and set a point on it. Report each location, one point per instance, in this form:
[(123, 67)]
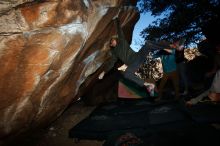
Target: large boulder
[(48, 50)]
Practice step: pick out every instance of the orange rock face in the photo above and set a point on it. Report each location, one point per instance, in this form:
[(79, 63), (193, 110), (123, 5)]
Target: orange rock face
[(48, 50)]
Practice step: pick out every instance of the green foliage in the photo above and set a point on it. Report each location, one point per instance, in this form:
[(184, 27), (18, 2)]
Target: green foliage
[(182, 18)]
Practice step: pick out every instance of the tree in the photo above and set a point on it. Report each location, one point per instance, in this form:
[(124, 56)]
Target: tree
[(182, 18)]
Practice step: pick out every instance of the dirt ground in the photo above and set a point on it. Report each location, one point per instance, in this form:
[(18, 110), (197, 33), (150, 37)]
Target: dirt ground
[(57, 133)]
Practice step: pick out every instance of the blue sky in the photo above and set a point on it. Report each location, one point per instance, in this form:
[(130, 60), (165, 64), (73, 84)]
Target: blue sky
[(144, 21)]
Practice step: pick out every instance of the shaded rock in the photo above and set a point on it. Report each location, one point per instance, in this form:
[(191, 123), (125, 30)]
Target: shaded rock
[(48, 50)]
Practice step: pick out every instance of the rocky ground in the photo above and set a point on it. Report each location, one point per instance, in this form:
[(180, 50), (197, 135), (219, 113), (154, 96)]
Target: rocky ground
[(57, 133)]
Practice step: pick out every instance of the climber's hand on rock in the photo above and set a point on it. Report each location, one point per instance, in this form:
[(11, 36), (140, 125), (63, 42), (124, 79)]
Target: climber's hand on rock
[(116, 16), (101, 75)]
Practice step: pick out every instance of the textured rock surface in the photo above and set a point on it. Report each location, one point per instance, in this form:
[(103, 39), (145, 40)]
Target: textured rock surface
[(48, 49)]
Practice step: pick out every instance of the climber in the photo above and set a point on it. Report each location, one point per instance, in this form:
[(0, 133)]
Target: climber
[(120, 49)]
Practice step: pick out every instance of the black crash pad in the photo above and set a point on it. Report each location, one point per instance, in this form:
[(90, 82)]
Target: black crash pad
[(152, 123)]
